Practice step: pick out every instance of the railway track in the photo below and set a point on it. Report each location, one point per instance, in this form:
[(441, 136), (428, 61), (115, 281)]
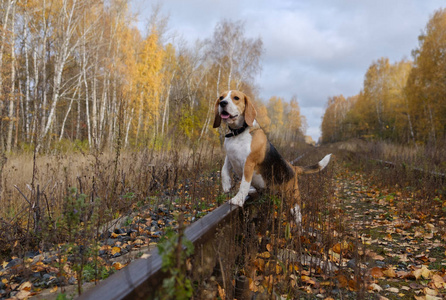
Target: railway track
[(213, 239), (216, 250), (142, 278)]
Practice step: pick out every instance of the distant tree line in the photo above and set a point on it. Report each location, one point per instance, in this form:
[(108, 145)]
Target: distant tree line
[(80, 72), (403, 102)]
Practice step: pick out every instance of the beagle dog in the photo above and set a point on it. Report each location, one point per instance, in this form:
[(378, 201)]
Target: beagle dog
[(252, 157)]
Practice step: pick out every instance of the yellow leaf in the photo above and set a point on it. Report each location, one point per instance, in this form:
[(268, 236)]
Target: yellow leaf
[(254, 285), (269, 247), (114, 235), (117, 265), (138, 242), (390, 272), (105, 248), (221, 292), (265, 254), (278, 269), (115, 250), (425, 272), (259, 264), (54, 289)]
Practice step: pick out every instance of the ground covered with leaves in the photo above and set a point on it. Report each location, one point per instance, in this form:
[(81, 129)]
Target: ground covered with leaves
[(380, 242), (368, 240)]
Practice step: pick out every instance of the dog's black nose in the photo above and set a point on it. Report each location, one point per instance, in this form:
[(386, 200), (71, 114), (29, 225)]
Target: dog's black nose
[(223, 103)]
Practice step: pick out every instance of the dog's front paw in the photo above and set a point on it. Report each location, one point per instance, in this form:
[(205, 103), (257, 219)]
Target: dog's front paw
[(226, 188), (238, 200)]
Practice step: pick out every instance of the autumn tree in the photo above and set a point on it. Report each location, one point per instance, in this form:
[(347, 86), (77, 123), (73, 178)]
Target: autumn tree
[(426, 87), (81, 71), (237, 56)]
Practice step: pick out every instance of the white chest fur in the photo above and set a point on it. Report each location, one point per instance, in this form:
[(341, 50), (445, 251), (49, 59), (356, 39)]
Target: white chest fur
[(237, 150)]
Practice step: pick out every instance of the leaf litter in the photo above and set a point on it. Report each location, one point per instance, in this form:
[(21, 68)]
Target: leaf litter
[(389, 249)]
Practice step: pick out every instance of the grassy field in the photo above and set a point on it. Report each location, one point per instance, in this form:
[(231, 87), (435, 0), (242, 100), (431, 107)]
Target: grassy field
[(77, 216)]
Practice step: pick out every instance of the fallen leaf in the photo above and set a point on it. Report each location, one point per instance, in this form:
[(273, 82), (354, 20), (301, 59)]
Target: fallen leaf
[(438, 281), (259, 264), (26, 286), (23, 294), (221, 292), (390, 272), (423, 272), (353, 285), (376, 272), (393, 290), (265, 254), (117, 265), (375, 287), (430, 292), (115, 250), (269, 247), (343, 281)]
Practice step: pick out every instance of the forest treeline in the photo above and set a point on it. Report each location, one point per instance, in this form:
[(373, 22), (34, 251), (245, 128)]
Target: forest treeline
[(403, 102), (81, 72)]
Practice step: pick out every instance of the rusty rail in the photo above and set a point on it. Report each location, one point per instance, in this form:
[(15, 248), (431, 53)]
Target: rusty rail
[(142, 277), (440, 176)]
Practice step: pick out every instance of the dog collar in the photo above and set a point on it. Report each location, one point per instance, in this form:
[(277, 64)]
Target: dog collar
[(237, 131)]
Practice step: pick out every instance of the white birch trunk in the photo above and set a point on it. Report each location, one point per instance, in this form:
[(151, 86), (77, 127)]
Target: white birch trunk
[(68, 113), (165, 120), (2, 46), (12, 95), (61, 59)]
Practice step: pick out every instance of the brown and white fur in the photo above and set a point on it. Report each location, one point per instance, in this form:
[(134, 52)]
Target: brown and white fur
[(252, 157)]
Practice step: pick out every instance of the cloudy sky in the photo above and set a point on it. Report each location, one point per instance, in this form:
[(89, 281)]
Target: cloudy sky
[(314, 49)]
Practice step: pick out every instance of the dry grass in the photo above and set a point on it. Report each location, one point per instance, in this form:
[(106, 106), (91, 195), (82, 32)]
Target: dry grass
[(428, 157), (34, 192)]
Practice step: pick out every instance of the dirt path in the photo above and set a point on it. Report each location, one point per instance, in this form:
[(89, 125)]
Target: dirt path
[(401, 249)]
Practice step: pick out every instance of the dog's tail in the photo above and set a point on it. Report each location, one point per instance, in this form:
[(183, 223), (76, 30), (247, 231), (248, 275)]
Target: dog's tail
[(314, 168)]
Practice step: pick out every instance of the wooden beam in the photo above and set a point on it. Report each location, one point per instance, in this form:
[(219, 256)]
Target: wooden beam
[(141, 278)]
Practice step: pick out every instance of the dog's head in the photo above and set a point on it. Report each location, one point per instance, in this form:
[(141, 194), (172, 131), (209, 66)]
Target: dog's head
[(234, 108)]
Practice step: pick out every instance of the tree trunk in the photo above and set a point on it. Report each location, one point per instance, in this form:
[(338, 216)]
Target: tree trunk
[(12, 94), (165, 121)]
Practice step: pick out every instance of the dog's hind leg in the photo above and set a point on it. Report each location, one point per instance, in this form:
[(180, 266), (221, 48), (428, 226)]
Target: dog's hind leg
[(296, 214)]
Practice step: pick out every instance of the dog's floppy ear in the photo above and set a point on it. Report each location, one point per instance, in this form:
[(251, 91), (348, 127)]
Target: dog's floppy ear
[(250, 112), (217, 120)]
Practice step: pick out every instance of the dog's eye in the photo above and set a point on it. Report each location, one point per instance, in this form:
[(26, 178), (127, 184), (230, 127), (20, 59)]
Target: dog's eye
[(221, 98), (236, 98)]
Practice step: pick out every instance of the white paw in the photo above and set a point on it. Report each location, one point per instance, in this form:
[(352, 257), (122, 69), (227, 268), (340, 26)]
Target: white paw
[(238, 200), (226, 188), (297, 215), (252, 190)]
